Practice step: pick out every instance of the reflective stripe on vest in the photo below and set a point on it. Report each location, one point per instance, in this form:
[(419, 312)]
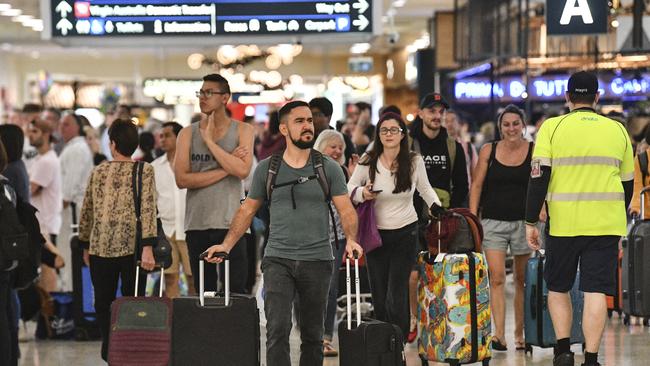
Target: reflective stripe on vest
[(586, 160), (586, 196)]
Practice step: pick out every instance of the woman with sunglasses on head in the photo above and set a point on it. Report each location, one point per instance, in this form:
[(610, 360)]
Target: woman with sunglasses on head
[(389, 174), (498, 193)]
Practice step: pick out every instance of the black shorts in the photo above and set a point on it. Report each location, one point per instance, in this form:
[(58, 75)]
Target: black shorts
[(597, 256)]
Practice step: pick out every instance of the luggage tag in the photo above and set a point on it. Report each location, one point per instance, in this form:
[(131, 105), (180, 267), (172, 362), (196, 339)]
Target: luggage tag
[(439, 258)]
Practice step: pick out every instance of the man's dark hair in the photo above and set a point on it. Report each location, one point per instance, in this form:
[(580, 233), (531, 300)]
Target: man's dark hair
[(582, 98), (249, 119), (363, 106), (13, 139), (390, 109), (176, 127), (511, 108), (32, 108), (3, 159), (216, 78), (322, 104), (54, 111), (274, 123), (125, 136), (81, 122), (287, 108)]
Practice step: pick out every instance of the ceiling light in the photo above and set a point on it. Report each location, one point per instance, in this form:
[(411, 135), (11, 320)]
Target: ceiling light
[(4, 7), (360, 48), (22, 18), (399, 3), (38, 27), (12, 12), (615, 23), (32, 22)]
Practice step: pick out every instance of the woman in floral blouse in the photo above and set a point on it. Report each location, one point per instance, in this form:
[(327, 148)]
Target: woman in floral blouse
[(107, 229)]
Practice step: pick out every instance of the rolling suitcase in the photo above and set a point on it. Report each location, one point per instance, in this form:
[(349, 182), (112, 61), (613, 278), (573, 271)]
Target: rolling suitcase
[(538, 326), (371, 342), (454, 317), (216, 331), (636, 272), (83, 308), (615, 303), (140, 333)]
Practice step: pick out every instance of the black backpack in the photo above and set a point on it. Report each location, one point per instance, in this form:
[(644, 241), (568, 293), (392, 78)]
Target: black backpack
[(27, 271), (319, 174), (13, 236)]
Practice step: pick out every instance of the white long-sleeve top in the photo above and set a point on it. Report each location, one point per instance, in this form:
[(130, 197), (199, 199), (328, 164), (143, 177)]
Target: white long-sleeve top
[(393, 210), (76, 166)]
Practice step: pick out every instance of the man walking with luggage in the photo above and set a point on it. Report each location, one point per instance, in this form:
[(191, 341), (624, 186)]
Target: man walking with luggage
[(298, 258), (583, 166), (213, 156)]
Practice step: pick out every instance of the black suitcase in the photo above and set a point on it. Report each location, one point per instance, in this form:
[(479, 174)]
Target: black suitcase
[(371, 342), (216, 331), (83, 309), (636, 272)]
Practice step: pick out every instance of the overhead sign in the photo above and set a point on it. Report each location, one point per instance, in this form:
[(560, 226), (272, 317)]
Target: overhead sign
[(120, 18), (546, 88), (569, 17)]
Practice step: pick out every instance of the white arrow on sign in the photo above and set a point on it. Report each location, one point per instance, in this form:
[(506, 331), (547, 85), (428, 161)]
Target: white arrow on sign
[(64, 26), (362, 22), (63, 8), (362, 5)]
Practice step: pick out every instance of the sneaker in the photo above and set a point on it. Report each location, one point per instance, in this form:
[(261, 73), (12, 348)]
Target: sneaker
[(564, 359), (413, 333)]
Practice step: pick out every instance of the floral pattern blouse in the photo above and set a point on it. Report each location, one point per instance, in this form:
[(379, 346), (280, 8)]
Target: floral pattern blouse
[(108, 222)]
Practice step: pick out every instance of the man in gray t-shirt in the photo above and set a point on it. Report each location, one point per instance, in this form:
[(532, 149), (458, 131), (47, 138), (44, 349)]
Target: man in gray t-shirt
[(298, 258)]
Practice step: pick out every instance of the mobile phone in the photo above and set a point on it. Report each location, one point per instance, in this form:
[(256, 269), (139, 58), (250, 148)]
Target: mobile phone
[(377, 191)]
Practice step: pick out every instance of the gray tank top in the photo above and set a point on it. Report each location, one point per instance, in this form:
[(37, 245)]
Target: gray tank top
[(212, 207)]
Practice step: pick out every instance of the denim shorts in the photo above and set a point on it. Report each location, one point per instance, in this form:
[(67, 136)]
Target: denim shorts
[(498, 235)]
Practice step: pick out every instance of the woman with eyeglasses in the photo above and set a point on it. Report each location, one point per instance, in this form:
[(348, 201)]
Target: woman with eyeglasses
[(388, 175)]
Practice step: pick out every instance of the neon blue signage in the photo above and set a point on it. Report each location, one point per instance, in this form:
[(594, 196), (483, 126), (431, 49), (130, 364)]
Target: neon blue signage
[(545, 88)]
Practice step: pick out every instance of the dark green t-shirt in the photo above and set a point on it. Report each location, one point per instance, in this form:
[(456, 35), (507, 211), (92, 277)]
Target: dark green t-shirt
[(301, 233)]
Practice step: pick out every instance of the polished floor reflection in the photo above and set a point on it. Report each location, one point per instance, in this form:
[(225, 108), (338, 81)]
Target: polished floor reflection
[(622, 345)]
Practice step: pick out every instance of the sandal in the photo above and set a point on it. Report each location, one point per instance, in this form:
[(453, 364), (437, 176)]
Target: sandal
[(520, 345), (413, 330), (497, 345), (329, 350)]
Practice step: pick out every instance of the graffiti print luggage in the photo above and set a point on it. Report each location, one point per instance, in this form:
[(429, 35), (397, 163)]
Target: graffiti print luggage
[(538, 326), (636, 272), (454, 318), (216, 331), (371, 342), (140, 333)]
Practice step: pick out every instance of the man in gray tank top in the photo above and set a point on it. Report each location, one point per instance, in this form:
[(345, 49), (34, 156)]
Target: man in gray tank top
[(213, 156), (298, 257)]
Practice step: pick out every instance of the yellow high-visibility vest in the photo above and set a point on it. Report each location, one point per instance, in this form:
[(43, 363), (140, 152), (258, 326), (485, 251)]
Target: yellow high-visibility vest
[(590, 156)]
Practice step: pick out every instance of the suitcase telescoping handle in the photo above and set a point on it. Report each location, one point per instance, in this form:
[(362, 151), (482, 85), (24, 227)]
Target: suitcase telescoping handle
[(642, 196), (226, 281), (137, 278), (74, 226), (357, 288)]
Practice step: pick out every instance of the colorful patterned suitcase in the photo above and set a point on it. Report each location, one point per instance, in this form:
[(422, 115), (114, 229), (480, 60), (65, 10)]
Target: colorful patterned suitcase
[(454, 309), (538, 327)]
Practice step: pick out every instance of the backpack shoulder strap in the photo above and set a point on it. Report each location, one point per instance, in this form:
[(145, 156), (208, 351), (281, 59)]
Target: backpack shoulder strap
[(319, 169), (136, 180), (643, 164), (272, 173), (451, 148)]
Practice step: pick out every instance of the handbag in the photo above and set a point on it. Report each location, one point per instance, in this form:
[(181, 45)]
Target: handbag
[(162, 250), (456, 231), (367, 234)]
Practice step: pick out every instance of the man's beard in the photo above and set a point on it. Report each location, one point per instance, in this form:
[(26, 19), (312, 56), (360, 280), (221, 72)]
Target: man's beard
[(304, 145)]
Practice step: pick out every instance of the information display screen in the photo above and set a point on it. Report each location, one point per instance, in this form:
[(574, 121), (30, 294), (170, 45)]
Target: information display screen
[(123, 18)]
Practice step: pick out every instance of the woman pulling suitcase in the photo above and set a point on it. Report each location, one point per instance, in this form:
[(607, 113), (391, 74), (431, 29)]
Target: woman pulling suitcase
[(498, 193)]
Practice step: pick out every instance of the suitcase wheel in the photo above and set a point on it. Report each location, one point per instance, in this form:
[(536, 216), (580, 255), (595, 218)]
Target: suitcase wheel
[(486, 362), (529, 349), (454, 363), (646, 322), (609, 313)]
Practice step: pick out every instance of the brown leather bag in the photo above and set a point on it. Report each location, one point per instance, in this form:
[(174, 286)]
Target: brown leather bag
[(460, 232)]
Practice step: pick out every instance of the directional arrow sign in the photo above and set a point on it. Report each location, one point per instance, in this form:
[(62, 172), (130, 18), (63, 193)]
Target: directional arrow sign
[(64, 26), (362, 5), (63, 8), (362, 22)]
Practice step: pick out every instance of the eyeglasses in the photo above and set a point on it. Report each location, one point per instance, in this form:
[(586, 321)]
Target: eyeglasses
[(392, 130), (208, 93)]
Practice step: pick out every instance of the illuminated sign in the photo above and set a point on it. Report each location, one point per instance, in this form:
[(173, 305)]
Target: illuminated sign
[(545, 88), (120, 18), (570, 17)]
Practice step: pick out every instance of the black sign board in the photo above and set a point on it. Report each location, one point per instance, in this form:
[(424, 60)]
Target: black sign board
[(570, 17), (120, 18)]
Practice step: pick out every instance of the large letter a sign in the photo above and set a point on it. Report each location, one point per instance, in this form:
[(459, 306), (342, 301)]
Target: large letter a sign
[(573, 10), (568, 17)]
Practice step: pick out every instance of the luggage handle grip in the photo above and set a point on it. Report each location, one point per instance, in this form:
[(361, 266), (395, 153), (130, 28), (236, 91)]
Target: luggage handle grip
[(226, 281), (138, 264)]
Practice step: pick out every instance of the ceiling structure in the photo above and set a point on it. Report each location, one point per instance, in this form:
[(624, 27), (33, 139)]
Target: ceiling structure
[(405, 18)]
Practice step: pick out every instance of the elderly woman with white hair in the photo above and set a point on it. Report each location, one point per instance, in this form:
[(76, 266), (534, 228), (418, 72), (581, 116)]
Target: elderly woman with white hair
[(332, 144)]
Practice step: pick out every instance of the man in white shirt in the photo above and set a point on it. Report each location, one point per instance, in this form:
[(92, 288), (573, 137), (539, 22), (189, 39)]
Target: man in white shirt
[(45, 186), (76, 166), (171, 209)]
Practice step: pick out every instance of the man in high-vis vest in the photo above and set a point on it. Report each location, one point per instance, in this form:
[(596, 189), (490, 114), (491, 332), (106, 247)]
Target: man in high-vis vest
[(583, 167)]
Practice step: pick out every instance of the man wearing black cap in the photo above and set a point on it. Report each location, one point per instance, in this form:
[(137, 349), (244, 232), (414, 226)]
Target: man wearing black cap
[(584, 168)]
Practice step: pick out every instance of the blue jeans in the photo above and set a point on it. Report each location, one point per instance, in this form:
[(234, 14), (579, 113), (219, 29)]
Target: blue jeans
[(309, 281), (330, 314)]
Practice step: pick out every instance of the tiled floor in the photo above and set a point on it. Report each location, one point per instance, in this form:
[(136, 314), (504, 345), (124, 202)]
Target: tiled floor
[(622, 345)]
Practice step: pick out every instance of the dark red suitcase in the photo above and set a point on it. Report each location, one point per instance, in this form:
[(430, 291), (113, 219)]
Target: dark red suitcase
[(141, 329)]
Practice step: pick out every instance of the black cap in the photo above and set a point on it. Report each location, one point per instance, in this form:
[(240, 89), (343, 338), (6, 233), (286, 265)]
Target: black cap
[(583, 82), (432, 99)]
